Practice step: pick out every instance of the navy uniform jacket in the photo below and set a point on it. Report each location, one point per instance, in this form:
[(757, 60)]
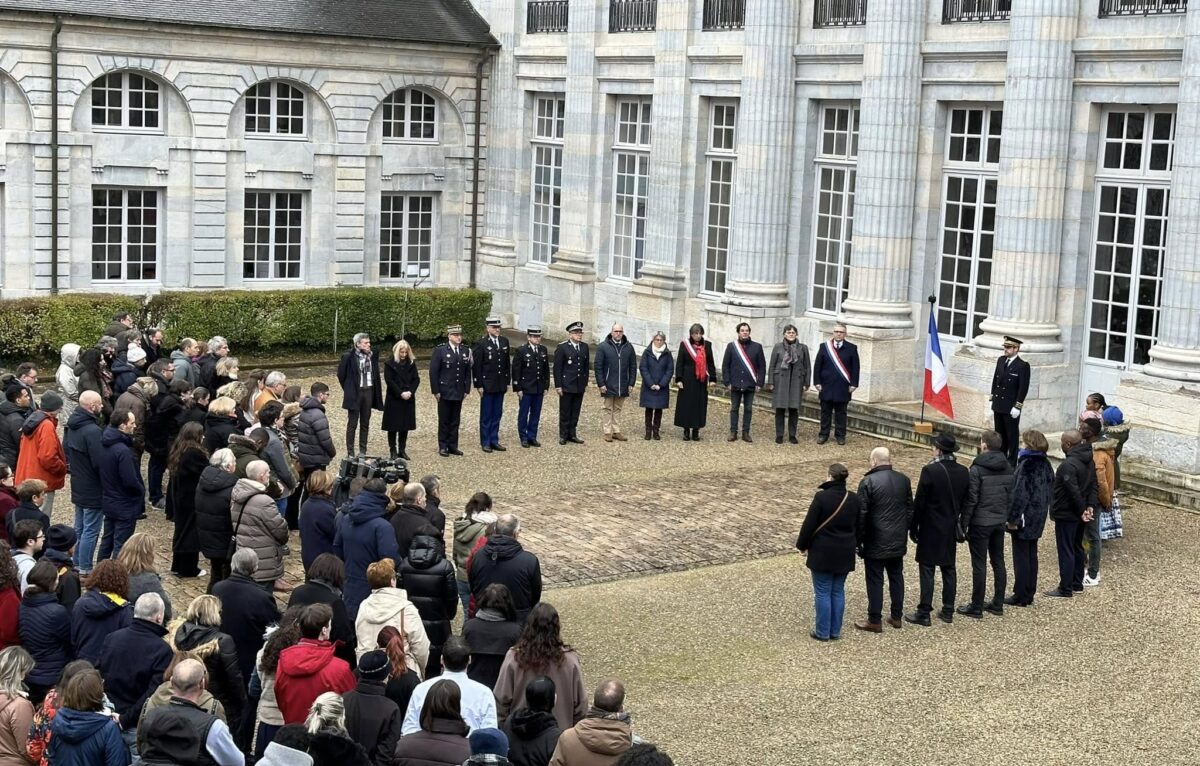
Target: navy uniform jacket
[(531, 369), (1010, 384), (735, 375), (491, 367), (834, 387), (450, 373), (571, 368)]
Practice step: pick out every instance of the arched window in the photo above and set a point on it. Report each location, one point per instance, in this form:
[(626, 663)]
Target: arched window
[(275, 108), (410, 115), (126, 100)]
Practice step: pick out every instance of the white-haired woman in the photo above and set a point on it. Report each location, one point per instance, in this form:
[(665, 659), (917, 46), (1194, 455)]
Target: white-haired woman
[(214, 527), (329, 744), (402, 379), (358, 372)]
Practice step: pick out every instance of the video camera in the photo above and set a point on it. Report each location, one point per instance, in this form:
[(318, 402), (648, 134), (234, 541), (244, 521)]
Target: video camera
[(392, 471)]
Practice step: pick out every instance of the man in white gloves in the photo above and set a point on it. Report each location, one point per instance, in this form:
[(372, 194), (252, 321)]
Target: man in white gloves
[(1010, 384)]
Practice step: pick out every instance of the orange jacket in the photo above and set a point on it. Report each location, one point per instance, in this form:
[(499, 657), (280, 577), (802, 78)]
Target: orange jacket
[(1106, 477), (42, 456)]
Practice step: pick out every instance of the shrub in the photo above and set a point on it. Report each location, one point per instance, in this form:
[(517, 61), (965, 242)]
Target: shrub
[(36, 328)]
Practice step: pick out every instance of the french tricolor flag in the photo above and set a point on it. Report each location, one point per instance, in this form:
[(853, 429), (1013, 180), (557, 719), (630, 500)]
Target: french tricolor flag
[(937, 380)]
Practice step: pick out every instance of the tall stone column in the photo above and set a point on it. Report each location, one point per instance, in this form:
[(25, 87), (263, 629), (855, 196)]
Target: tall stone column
[(1030, 197), (758, 258), (1161, 402)]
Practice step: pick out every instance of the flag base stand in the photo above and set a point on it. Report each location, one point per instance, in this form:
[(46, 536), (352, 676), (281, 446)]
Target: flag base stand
[(923, 427)]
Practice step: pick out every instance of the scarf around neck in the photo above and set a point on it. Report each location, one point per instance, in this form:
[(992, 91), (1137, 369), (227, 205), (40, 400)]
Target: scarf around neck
[(791, 352), (701, 359)]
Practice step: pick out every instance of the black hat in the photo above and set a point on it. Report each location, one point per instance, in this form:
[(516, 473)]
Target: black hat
[(51, 402), (493, 321), (61, 537), (374, 665), (945, 442), (1011, 341), (489, 741), (534, 331), (575, 327)]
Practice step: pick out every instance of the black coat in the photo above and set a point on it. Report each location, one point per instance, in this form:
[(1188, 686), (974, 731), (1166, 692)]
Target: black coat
[(691, 403), (571, 367), (503, 560), (1033, 489), (406, 521), (93, 618), (317, 528), (989, 492), (246, 611), (205, 369), (217, 430), (616, 367), (733, 371), (11, 418), (531, 369), (885, 513), (81, 442), (329, 748), (1010, 384), (1075, 486), (373, 720), (400, 377), (164, 407), (341, 632), (214, 528), (132, 664), (532, 736), (429, 580), (181, 500), (315, 448), (834, 387), (834, 511), (489, 640), (347, 375), (219, 654), (941, 494), (491, 367), (46, 633)]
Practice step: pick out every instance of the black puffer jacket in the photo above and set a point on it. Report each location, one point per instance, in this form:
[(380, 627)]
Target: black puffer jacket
[(503, 560), (217, 430), (218, 652), (532, 736), (315, 448), (429, 580), (885, 509), (213, 499), (11, 418), (1075, 485), (989, 492)]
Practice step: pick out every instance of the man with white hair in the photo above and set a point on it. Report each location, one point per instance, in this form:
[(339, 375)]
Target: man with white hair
[(885, 508), (214, 527), (181, 732), (246, 608), (205, 368), (273, 388), (358, 372), (133, 660), (503, 560), (257, 523), (616, 371)]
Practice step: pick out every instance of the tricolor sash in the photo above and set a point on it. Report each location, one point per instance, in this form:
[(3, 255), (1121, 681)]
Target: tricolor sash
[(741, 352), (837, 361)]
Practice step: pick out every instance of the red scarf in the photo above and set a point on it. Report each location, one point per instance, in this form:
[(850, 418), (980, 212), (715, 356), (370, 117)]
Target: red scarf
[(700, 358)]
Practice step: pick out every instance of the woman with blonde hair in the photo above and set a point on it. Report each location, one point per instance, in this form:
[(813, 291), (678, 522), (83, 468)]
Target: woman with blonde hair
[(401, 380), (226, 371), (220, 423), (16, 712), (138, 557), (329, 743), (201, 635)]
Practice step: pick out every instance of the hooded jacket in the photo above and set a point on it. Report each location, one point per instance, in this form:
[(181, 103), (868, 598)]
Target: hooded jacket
[(1075, 486), (278, 755), (213, 500), (41, 453), (503, 560), (406, 521), (1104, 456), (125, 375), (429, 580), (132, 664), (84, 447), (598, 740), (217, 430), (219, 654), (80, 738), (363, 537), (120, 480), (65, 374), (341, 632), (390, 606), (532, 737), (94, 617), (183, 367), (616, 367), (989, 492), (259, 526), (332, 748), (11, 418), (466, 533), (885, 510), (306, 671), (315, 447)]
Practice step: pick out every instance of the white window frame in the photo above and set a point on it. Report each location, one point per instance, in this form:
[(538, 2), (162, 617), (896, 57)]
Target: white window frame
[(273, 115), (124, 90), (984, 171), (272, 238), (408, 123), (1143, 179), (631, 144), (720, 159), (411, 271), (124, 228), (833, 161), (549, 126)]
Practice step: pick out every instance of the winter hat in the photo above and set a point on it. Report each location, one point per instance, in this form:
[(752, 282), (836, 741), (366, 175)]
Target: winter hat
[(946, 443), (374, 665), (135, 354), (61, 537), (488, 741), (51, 402)]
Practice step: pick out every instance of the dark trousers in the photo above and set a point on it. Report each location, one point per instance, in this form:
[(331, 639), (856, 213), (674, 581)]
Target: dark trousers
[(1009, 429), (835, 413), (949, 587), (296, 499), (529, 415), (987, 543), (491, 407), (895, 575), (743, 400), (218, 570), (569, 406), (449, 415), (185, 564), (155, 470), (1068, 537), (653, 418), (112, 539), (1025, 569), (793, 419), (397, 442), (359, 417)]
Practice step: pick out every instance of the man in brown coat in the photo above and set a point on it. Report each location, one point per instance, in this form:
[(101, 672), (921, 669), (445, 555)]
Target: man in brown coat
[(600, 738)]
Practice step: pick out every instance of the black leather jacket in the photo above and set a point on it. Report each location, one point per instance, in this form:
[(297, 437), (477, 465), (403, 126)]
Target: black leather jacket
[(885, 512)]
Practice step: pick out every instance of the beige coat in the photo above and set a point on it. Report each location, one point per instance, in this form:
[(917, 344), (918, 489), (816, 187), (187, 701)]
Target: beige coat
[(1106, 477), (570, 703), (593, 742), (390, 606), (16, 715)]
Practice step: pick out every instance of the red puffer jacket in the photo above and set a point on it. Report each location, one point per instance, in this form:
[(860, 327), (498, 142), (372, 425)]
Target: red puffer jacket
[(306, 671)]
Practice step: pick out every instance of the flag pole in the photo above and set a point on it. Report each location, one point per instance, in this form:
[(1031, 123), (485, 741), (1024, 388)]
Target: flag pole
[(932, 301), (921, 426)]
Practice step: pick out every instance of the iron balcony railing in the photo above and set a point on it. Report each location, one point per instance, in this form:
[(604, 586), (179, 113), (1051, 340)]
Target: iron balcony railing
[(1141, 7), (840, 13), (632, 15), (954, 11), (545, 16), (724, 14)]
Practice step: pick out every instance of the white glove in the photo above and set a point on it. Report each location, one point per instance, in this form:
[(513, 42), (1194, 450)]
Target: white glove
[(1016, 413)]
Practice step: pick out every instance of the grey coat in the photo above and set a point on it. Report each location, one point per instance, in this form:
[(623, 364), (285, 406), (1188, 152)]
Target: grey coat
[(789, 381), (261, 527)]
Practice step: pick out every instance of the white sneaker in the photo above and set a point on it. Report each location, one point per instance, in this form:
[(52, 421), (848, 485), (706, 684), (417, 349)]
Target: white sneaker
[(1091, 582)]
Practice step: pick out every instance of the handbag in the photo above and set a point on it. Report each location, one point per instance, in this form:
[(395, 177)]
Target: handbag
[(1111, 524)]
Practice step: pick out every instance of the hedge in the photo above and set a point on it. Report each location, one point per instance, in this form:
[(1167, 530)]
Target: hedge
[(36, 328)]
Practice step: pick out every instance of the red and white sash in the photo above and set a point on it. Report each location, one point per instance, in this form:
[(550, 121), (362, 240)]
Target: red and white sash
[(741, 352), (837, 361)]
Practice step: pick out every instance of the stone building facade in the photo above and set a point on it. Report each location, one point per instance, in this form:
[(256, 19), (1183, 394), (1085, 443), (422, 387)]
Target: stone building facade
[(808, 161)]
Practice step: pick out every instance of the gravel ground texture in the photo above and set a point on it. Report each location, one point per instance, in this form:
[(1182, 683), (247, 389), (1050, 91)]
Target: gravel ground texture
[(717, 659)]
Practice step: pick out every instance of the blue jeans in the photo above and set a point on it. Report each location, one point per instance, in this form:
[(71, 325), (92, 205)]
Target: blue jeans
[(829, 598), (491, 407), (116, 532), (745, 400), (87, 527), (464, 595), (529, 413)]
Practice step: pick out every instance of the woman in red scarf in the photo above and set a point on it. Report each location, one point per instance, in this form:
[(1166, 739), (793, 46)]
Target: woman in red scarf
[(695, 374)]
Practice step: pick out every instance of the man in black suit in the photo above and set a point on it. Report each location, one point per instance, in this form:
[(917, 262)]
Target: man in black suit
[(571, 363), (941, 493), (491, 369), (1010, 384), (835, 374), (450, 382), (530, 379)]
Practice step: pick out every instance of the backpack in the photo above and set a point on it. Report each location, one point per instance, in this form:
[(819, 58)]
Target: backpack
[(1112, 415)]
